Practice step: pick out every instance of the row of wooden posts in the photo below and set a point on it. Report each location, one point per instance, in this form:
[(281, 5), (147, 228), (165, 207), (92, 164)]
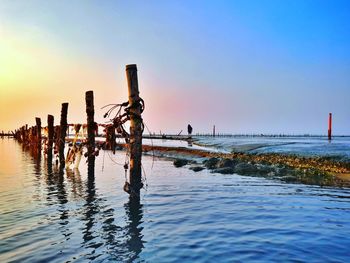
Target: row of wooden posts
[(31, 137)]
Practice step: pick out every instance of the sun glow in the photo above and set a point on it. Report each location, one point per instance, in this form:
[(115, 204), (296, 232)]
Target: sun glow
[(36, 74)]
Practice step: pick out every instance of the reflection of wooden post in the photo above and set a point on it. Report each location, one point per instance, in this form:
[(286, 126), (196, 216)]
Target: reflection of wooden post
[(330, 126), (50, 128), (63, 133), (135, 128), (89, 99)]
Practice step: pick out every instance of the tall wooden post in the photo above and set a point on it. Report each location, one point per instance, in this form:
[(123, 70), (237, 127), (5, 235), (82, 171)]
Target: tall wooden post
[(63, 133), (214, 131), (89, 99), (330, 126), (50, 128), (38, 134), (135, 129)]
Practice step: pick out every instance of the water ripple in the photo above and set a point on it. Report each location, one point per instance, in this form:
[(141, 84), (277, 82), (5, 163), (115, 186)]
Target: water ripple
[(182, 217)]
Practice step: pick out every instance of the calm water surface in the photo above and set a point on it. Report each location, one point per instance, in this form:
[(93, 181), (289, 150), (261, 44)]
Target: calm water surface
[(182, 217)]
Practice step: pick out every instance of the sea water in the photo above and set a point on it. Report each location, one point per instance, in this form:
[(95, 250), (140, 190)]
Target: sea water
[(182, 216), (312, 146)]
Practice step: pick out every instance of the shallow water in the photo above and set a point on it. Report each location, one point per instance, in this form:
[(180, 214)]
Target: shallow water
[(182, 217), (338, 147)]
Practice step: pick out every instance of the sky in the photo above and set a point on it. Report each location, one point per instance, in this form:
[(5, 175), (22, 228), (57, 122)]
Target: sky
[(245, 66)]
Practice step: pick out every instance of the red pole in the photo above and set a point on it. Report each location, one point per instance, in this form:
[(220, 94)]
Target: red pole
[(330, 126)]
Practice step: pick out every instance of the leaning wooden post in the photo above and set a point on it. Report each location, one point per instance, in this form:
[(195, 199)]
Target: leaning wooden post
[(63, 133), (50, 128), (330, 126), (89, 99), (135, 129)]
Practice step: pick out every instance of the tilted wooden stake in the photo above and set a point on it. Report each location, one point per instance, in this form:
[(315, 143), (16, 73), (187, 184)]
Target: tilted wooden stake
[(63, 133), (50, 120), (89, 99), (135, 129)]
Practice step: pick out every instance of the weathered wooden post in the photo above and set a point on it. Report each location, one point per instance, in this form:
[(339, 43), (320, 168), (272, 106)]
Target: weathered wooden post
[(38, 135), (135, 129), (89, 99), (330, 126), (110, 138), (63, 133), (50, 134), (214, 131), (26, 134)]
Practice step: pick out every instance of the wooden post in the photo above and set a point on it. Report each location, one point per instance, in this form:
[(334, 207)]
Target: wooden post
[(214, 131), (63, 132), (50, 128), (38, 134), (110, 138), (330, 126), (135, 129), (26, 134), (89, 99)]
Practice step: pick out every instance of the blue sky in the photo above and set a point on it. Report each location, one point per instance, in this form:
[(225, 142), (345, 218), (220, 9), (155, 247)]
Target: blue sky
[(246, 66)]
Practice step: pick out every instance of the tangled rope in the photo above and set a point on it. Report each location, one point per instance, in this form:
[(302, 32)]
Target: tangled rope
[(121, 117), (123, 113)]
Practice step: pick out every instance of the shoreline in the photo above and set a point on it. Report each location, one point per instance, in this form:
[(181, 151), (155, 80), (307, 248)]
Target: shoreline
[(309, 170), (290, 168)]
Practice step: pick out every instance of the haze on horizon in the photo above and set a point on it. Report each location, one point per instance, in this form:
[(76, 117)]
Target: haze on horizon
[(245, 66)]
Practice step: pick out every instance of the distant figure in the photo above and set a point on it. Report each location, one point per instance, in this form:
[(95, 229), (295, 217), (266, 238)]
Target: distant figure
[(189, 129)]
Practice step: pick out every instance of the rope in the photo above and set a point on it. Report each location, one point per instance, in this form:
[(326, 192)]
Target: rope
[(123, 114)]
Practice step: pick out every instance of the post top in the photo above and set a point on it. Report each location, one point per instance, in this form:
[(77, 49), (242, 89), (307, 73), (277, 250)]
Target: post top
[(131, 66)]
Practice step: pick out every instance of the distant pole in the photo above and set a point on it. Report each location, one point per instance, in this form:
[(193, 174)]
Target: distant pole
[(214, 131), (135, 129), (50, 128), (330, 126), (89, 100), (63, 133)]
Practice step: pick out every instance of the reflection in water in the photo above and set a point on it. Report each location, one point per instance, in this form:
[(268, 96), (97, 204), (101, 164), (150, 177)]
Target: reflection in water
[(62, 208), (102, 225), (49, 166), (37, 165), (134, 242), (74, 177), (124, 244), (91, 210), (101, 235)]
